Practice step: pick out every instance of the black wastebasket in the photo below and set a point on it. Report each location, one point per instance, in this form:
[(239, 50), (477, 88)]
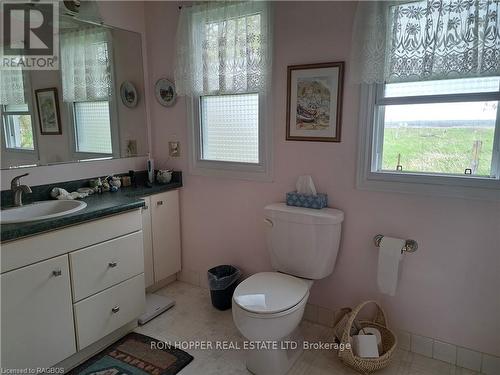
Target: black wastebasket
[(222, 281)]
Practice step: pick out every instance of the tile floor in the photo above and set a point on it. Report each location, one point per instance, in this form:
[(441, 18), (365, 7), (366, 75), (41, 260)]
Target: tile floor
[(194, 318)]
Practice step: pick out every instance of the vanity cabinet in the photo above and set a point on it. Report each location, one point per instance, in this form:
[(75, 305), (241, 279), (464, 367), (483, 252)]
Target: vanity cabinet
[(37, 315), (162, 245), (64, 290)]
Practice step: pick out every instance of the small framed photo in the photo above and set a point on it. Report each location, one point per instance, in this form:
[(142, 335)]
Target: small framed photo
[(314, 102), (128, 93), (47, 103), (165, 92)]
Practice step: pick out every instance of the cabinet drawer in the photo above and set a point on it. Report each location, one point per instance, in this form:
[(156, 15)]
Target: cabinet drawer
[(104, 312), (98, 267)]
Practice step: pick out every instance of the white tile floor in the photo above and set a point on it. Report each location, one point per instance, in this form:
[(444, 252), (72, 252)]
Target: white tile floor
[(194, 318)]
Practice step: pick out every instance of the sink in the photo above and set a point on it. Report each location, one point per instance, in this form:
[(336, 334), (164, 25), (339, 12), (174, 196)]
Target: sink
[(40, 211)]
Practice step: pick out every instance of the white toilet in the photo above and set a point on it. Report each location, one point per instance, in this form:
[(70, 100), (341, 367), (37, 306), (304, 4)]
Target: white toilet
[(268, 306)]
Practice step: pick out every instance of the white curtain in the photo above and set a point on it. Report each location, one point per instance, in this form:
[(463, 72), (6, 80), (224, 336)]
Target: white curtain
[(12, 87), (426, 40), (223, 48), (85, 64)]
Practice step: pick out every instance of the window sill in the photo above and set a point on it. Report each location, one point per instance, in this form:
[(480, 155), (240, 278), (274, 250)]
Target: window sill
[(239, 171), (439, 185)]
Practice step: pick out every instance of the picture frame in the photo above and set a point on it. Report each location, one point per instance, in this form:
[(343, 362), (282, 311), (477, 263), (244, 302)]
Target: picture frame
[(165, 92), (314, 102), (49, 116), (128, 94)]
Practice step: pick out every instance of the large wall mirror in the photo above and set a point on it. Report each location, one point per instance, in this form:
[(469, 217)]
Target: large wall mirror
[(91, 108)]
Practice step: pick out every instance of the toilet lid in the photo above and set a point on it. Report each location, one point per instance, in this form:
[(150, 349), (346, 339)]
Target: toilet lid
[(270, 292)]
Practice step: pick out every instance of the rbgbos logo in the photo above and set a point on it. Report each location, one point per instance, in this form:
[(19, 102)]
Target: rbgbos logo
[(30, 35)]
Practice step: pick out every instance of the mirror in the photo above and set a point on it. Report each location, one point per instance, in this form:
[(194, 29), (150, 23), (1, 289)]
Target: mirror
[(91, 108)]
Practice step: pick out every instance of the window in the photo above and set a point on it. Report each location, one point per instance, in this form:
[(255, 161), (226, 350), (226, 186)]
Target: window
[(17, 127), (223, 64), (442, 127), (230, 128), (430, 118), (92, 127)]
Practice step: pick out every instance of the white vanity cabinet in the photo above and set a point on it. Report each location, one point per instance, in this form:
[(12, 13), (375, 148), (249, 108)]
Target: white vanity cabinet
[(37, 315), (162, 236), (64, 290)]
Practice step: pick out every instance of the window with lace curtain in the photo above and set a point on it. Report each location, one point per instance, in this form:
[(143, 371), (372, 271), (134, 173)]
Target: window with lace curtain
[(17, 125), (223, 65), (86, 81), (430, 76)]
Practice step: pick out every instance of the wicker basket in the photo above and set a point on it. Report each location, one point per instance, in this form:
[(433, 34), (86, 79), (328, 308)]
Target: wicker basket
[(389, 341)]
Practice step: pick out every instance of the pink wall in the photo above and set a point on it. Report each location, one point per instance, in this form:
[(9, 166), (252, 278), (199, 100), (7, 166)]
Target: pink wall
[(449, 289)]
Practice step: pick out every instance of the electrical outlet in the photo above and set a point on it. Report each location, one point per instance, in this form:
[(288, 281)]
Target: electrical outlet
[(174, 149)]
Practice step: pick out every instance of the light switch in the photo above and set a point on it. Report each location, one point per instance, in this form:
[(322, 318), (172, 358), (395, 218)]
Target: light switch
[(174, 149)]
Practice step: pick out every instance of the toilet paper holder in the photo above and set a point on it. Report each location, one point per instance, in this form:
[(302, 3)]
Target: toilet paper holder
[(410, 245)]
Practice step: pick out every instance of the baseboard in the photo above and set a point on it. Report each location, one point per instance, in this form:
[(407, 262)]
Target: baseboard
[(161, 284)]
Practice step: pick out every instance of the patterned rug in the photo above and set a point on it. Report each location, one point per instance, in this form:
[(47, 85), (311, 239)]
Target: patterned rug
[(132, 355)]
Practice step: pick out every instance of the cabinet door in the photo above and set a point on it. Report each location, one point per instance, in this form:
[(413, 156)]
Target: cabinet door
[(166, 234), (148, 243), (37, 315)]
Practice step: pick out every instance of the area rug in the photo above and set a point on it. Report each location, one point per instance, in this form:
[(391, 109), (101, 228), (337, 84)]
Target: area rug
[(132, 355)]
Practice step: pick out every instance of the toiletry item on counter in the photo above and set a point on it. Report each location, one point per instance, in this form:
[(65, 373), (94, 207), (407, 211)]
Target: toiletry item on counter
[(151, 171), (115, 181), (389, 256), (164, 176), (60, 193), (86, 190), (133, 179), (126, 181), (365, 346)]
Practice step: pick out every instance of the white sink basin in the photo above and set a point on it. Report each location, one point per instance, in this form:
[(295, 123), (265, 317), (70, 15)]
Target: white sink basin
[(40, 211)]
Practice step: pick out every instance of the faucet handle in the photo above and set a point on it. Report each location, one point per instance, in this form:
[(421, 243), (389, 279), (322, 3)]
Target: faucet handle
[(15, 180)]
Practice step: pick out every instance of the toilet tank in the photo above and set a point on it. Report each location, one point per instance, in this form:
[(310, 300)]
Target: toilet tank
[(303, 242)]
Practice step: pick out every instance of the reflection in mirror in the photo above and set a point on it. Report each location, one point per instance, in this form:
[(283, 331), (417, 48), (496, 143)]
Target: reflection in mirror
[(91, 108)]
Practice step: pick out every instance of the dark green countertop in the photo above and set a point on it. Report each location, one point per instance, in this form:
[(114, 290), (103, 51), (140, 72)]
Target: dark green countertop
[(98, 205)]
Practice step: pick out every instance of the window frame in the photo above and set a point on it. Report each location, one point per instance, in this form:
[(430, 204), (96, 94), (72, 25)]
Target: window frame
[(369, 178), (261, 171)]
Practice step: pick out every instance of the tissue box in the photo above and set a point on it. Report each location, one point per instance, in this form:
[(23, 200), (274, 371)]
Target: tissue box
[(317, 201)]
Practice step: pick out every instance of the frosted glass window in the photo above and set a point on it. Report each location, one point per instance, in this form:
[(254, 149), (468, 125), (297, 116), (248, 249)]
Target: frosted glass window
[(93, 127), (230, 128)]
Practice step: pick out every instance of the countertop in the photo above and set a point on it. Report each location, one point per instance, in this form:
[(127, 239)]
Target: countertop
[(98, 205)]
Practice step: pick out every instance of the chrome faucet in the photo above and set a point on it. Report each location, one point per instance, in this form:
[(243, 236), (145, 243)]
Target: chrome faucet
[(18, 189)]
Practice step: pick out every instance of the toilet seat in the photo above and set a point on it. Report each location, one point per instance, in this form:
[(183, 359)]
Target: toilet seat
[(270, 293)]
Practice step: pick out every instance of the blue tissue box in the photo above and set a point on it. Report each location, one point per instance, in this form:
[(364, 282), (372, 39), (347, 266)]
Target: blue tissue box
[(317, 201)]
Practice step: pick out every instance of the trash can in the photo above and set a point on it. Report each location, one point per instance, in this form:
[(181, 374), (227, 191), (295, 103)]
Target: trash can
[(222, 281)]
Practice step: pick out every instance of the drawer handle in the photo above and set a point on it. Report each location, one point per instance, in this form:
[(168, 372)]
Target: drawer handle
[(115, 309), (145, 207), (56, 273), (159, 203), (112, 264)]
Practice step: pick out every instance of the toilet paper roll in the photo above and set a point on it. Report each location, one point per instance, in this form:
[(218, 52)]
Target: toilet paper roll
[(388, 264), (374, 331), (365, 346)]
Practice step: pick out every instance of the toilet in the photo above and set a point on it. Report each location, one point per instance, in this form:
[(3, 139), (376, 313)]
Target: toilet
[(268, 306)]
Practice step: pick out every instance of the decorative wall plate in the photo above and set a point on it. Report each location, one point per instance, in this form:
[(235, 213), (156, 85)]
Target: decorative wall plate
[(165, 92), (128, 93)]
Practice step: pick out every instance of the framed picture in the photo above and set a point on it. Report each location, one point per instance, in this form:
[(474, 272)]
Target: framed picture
[(314, 102), (128, 94), (165, 92), (47, 103)]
